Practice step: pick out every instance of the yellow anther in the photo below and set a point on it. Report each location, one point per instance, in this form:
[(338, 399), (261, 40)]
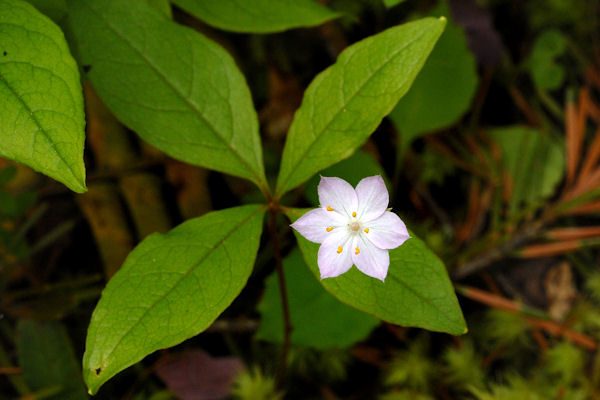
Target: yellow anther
[(366, 230), (354, 214), (329, 208), (357, 251), (329, 229), (339, 249)]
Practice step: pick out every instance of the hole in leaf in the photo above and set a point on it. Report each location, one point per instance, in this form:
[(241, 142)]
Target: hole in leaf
[(98, 370), (4, 53), (86, 68)]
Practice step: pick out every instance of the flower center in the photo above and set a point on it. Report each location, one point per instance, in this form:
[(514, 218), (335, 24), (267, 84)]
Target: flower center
[(355, 226)]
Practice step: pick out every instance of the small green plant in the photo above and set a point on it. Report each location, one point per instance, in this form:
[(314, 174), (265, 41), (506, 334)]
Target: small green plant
[(184, 94)]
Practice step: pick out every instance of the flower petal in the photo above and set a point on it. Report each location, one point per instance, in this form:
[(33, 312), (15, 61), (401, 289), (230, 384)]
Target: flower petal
[(369, 259), (387, 231), (338, 195), (333, 262), (313, 225), (373, 197)]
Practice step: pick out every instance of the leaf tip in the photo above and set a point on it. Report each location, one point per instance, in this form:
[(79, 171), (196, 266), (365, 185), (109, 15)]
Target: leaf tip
[(443, 22), (92, 381), (80, 189)]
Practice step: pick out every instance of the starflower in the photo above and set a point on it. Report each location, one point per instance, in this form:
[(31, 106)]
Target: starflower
[(353, 226)]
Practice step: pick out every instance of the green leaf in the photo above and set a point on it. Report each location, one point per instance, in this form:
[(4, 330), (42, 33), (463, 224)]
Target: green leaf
[(352, 170), (546, 72), (392, 3), (318, 318), (171, 287), (47, 359), (444, 89), (164, 6), (177, 89), (535, 163), (345, 103), (258, 16), (416, 292), (41, 102)]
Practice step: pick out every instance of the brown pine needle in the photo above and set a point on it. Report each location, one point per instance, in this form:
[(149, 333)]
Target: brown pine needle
[(558, 330), (549, 249), (479, 153), (573, 139), (585, 105), (574, 233), (490, 299), (589, 183), (593, 76), (463, 232), (588, 208), (593, 110), (550, 327), (591, 158), (10, 370), (540, 339), (523, 106)]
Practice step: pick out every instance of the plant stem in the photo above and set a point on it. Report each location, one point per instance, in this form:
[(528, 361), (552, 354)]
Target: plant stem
[(287, 325), (550, 104)]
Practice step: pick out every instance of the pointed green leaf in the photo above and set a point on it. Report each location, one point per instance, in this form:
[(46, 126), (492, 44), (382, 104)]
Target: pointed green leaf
[(444, 89), (177, 89), (258, 16), (319, 319), (47, 359), (416, 292), (42, 123), (345, 103), (171, 287)]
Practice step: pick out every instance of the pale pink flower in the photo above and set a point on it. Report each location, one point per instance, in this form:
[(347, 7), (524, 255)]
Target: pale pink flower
[(353, 226)]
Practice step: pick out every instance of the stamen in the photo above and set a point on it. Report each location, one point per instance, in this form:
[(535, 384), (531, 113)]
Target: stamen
[(354, 214), (339, 249), (329, 208), (357, 251), (329, 229), (366, 230)]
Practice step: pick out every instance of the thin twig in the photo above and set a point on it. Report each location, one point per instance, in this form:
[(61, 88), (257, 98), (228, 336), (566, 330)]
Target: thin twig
[(287, 325), (498, 252), (523, 106)]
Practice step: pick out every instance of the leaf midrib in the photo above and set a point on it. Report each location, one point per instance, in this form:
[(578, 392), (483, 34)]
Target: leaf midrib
[(176, 91), (425, 300), (337, 113), (39, 125), (184, 276)]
